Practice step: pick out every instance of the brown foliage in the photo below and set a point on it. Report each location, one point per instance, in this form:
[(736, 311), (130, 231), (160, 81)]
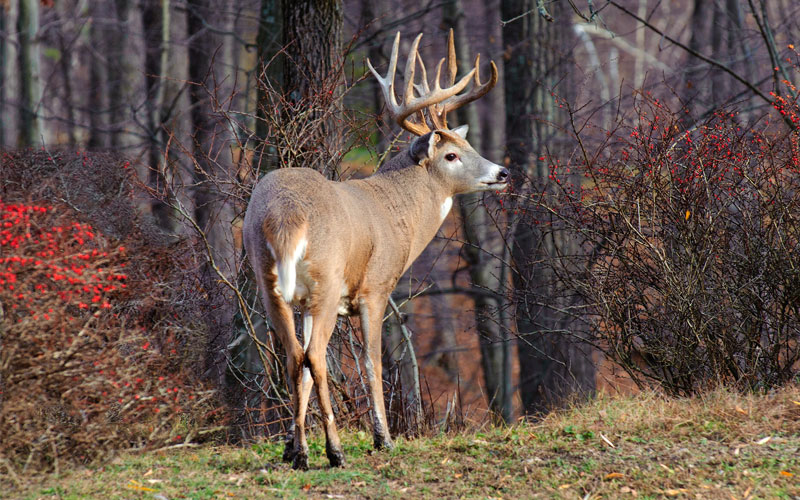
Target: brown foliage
[(97, 334)]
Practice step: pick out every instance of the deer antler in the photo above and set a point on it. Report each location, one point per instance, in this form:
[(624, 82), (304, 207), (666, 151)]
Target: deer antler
[(477, 91), (437, 101)]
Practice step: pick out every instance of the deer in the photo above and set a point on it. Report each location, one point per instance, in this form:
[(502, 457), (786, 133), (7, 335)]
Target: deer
[(335, 248)]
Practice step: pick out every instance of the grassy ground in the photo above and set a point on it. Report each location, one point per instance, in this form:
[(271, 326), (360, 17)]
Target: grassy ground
[(720, 446)]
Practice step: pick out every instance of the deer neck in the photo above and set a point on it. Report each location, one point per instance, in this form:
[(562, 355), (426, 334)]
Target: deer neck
[(417, 202)]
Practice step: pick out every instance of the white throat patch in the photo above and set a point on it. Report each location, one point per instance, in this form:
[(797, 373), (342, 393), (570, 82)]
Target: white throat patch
[(446, 206)]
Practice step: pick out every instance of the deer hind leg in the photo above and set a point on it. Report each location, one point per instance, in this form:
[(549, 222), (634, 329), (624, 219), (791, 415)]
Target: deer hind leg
[(323, 325), (282, 318), (371, 312), (302, 391)]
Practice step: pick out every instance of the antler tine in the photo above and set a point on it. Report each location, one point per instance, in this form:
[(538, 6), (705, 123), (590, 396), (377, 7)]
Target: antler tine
[(452, 64), (435, 110), (477, 91), (408, 76), (387, 82)]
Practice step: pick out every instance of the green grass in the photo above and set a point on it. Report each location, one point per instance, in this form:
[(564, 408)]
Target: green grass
[(635, 447)]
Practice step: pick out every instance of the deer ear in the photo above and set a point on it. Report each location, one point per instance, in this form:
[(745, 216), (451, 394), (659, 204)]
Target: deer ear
[(461, 131), (423, 146)]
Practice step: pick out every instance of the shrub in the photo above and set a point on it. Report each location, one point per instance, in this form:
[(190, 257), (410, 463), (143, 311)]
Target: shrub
[(688, 240), (97, 349)]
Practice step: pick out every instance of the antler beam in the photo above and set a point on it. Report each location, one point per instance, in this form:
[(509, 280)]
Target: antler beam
[(437, 101)]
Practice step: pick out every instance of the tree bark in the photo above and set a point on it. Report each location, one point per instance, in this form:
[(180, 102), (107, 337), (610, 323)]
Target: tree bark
[(116, 43), (481, 242), (30, 129), (3, 16), (269, 42), (552, 364), (65, 67), (213, 210), (312, 31), (155, 16), (95, 99), (372, 18)]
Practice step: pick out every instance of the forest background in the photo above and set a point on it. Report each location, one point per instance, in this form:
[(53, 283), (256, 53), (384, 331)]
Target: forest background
[(648, 240)]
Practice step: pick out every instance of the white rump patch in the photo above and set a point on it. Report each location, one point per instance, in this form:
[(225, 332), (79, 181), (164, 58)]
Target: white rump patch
[(287, 272), (446, 206)]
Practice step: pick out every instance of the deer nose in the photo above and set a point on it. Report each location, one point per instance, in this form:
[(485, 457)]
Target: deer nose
[(502, 176)]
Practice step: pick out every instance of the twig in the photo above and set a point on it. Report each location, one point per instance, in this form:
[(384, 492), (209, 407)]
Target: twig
[(414, 365), (736, 76)]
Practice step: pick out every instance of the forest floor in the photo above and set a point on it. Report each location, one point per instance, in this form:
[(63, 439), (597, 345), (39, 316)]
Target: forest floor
[(723, 445)]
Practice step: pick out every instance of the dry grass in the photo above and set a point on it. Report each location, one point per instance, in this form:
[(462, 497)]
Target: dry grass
[(723, 445)]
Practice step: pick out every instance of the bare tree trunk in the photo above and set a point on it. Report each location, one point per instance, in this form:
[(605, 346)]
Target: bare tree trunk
[(372, 13), (30, 130), (65, 66), (116, 42), (312, 31), (481, 242), (95, 101), (696, 88), (155, 16), (553, 363), (269, 42), (213, 211), (65, 45), (3, 15)]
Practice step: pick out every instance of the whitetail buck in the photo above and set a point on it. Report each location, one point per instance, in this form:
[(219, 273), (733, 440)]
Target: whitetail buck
[(334, 248)]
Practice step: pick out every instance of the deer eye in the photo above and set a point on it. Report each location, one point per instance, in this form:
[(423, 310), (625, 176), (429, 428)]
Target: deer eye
[(451, 157)]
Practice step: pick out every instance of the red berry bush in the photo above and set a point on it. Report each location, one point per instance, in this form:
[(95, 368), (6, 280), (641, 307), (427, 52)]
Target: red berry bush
[(684, 265), (95, 353)]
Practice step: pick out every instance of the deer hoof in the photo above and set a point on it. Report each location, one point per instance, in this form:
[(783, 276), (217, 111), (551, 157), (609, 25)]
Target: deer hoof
[(300, 461), (289, 453), (336, 457), (383, 443)]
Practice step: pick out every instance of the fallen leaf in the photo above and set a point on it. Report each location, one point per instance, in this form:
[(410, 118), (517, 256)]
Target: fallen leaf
[(136, 485), (614, 475), (446, 459), (764, 440), (740, 410), (458, 475), (674, 493), (306, 487), (786, 473), (796, 402), (688, 214), (564, 486)]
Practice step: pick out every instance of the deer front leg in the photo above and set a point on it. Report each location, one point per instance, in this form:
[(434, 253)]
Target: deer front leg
[(371, 312)]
